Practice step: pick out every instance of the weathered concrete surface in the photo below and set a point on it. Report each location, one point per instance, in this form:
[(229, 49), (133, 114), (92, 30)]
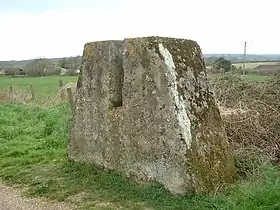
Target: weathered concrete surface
[(143, 108)]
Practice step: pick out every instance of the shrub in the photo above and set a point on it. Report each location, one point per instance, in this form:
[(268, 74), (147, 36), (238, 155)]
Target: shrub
[(251, 112)]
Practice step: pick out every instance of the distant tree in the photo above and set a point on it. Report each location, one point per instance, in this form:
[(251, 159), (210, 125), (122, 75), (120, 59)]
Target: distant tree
[(70, 62), (53, 71), (76, 62), (13, 71), (38, 67), (222, 64), (64, 63)]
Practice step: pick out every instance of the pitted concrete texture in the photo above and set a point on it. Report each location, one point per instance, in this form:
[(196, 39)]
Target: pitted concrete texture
[(143, 108)]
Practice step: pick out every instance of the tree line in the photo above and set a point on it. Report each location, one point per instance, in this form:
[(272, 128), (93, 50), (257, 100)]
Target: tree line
[(44, 67)]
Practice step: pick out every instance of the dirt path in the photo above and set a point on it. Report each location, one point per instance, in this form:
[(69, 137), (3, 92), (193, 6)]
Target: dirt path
[(11, 199)]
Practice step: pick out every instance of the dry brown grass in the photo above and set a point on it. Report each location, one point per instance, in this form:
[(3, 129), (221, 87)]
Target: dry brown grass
[(251, 113), (16, 96), (4, 96), (46, 101), (63, 90)]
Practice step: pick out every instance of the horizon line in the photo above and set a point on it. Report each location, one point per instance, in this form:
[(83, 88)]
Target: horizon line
[(241, 54)]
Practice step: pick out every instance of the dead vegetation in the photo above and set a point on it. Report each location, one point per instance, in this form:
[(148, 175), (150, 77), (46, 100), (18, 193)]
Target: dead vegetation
[(4, 96), (63, 90), (251, 112), (16, 96)]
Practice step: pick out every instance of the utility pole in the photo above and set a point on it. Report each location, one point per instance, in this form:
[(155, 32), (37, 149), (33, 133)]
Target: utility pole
[(244, 57)]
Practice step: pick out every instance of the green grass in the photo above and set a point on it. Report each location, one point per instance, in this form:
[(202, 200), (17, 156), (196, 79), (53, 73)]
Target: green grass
[(258, 78), (250, 77), (33, 153), (43, 86)]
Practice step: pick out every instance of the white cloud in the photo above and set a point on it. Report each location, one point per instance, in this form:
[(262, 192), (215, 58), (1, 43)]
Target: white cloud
[(218, 26)]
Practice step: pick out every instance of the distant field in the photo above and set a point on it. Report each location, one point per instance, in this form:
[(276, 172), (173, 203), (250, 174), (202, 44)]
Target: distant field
[(250, 77), (43, 86), (47, 86), (259, 78), (252, 65)]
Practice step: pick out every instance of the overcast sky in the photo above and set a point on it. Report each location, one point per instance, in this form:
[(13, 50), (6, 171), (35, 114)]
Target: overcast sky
[(57, 28)]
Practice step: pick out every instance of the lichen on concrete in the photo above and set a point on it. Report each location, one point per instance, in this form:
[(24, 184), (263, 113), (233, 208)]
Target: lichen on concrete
[(182, 117), (143, 108)]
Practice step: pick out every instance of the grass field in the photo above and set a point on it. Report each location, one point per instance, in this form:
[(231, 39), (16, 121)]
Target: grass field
[(259, 78), (43, 86), (33, 154), (252, 65)]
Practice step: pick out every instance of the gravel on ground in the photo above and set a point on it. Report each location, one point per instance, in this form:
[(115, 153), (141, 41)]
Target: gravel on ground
[(12, 199)]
